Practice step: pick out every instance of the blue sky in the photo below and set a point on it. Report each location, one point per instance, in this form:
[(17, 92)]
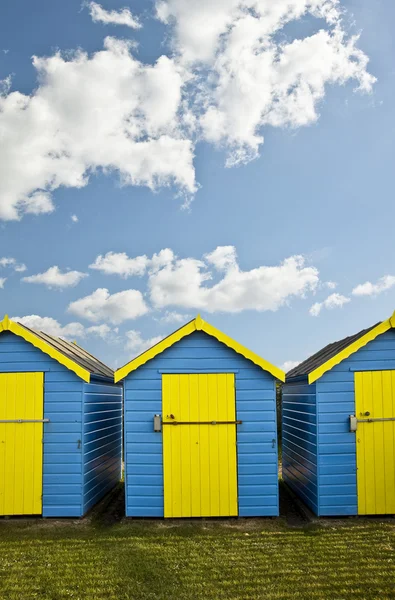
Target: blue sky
[(318, 188)]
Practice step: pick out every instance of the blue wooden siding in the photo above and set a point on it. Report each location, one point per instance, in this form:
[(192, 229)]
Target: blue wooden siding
[(62, 461), (337, 445), (63, 474), (255, 406), (299, 441), (102, 440), (335, 401)]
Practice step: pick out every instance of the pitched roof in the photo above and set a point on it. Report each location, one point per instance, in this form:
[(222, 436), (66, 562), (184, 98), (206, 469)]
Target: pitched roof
[(197, 325), (66, 353), (332, 354)]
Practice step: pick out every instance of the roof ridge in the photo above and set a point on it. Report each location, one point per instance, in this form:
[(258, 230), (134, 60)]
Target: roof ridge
[(85, 363), (328, 352)]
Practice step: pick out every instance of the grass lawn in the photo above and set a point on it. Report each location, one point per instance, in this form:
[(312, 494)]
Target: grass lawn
[(100, 558)]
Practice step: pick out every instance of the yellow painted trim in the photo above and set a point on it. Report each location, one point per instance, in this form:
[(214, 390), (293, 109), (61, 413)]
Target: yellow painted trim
[(7, 325), (338, 358), (255, 358), (197, 325)]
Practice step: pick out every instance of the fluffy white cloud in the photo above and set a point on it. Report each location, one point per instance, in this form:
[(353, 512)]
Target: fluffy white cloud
[(54, 278), (74, 218), (255, 76), (8, 261), (137, 344), (116, 308), (113, 17), (105, 111), (69, 331), (52, 326), (289, 364), (374, 289), (119, 263), (183, 283), (2, 282), (333, 301), (331, 285)]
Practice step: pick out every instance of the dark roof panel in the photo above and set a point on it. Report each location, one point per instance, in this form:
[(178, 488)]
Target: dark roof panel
[(74, 353), (320, 357)]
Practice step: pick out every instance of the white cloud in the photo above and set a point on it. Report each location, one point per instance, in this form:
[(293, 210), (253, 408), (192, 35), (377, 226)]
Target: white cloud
[(54, 278), (69, 331), (331, 285), (333, 301), (102, 331), (8, 261), (105, 111), (183, 283), (2, 282), (255, 76), (173, 317), (234, 72), (289, 364), (119, 263), (136, 344), (74, 218), (116, 308), (374, 289), (223, 258), (52, 326), (113, 17)]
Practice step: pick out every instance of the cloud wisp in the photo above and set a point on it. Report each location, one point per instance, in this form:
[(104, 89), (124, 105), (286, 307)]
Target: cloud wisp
[(374, 289), (331, 302), (136, 344), (54, 278), (12, 263), (113, 17)]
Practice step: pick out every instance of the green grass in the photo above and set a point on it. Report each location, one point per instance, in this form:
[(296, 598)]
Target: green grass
[(246, 559)]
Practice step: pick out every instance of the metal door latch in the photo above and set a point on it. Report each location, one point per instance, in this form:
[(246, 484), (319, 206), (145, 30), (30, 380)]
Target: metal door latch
[(354, 421), (157, 423), (202, 423), (24, 420)]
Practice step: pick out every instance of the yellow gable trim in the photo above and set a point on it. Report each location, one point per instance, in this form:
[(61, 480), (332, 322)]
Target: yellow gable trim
[(338, 358), (197, 325), (7, 325)]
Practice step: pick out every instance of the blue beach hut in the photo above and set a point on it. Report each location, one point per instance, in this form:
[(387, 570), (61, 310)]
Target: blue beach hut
[(60, 425), (200, 428), (339, 425)]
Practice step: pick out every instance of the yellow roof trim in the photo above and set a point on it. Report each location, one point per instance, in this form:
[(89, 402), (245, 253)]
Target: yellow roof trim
[(197, 325), (7, 325), (338, 358)]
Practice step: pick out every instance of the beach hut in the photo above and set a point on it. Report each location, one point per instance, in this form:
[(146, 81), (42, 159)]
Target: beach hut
[(200, 428), (60, 425), (339, 425)]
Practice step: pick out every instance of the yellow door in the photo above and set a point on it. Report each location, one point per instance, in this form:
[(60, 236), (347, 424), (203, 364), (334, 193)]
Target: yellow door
[(199, 459), (375, 436), (21, 449)]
